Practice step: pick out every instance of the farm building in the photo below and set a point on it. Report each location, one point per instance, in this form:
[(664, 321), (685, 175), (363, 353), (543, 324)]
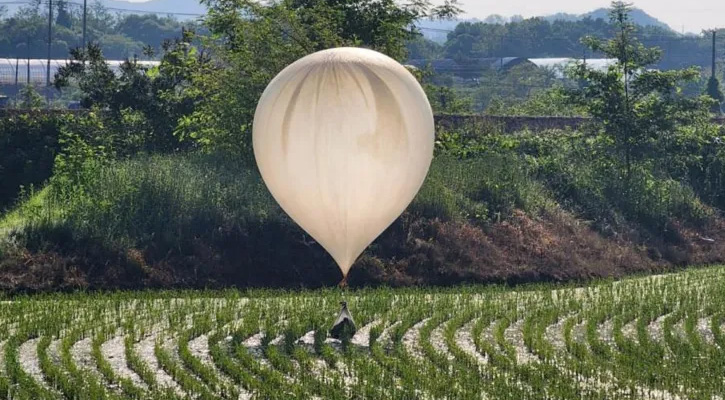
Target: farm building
[(478, 65), (14, 71)]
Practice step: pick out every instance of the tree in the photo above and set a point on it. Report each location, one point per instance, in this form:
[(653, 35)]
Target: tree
[(64, 17), (148, 29), (445, 100), (713, 90), (423, 49), (538, 37), (637, 107), (152, 99), (29, 98), (255, 40)]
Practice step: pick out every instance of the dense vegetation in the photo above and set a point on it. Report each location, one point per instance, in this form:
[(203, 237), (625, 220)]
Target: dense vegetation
[(25, 33), (539, 38), (154, 184), (649, 338)]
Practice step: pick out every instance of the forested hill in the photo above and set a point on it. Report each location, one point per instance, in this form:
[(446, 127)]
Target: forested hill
[(541, 38), (124, 34), (639, 17), (437, 30)]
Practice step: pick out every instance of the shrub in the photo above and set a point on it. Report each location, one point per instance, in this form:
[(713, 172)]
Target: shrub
[(488, 187), (170, 199), (28, 146)]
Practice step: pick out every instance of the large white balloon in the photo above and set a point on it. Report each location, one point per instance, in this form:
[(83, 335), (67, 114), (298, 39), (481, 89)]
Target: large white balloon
[(344, 139)]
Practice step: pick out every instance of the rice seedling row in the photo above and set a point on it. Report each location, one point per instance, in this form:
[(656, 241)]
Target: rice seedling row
[(652, 338)]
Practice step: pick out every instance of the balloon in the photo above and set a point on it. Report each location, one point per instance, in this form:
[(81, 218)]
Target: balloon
[(344, 139)]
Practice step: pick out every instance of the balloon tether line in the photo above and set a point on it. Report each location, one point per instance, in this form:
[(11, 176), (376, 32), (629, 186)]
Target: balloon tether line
[(343, 286)]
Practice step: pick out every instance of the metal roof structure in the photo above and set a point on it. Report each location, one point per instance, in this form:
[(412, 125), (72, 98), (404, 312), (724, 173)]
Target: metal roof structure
[(14, 71), (559, 65), (477, 65), (449, 65)]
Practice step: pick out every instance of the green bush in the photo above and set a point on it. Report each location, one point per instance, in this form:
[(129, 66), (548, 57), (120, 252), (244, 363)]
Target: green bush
[(28, 146), (173, 199), (488, 187), (500, 173), (165, 199), (583, 179)]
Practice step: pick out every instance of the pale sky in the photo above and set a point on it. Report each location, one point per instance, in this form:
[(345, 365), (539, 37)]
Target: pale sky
[(692, 15)]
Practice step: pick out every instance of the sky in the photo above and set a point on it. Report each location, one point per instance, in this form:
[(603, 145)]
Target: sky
[(692, 15)]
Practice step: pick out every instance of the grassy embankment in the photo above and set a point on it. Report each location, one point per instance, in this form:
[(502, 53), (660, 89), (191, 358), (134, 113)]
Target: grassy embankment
[(516, 209)]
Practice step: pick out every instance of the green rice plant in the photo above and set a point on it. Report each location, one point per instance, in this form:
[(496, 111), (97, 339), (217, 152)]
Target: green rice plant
[(464, 342)]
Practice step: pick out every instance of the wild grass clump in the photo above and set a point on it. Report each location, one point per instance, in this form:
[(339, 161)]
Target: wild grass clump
[(595, 187), (164, 199), (171, 199), (485, 188)]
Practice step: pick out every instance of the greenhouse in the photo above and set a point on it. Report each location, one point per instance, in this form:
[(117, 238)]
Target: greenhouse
[(14, 71)]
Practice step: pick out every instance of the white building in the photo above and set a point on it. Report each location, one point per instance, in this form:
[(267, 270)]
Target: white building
[(14, 71)]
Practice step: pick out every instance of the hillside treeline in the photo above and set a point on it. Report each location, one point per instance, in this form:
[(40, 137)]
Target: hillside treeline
[(25, 33), (541, 38)]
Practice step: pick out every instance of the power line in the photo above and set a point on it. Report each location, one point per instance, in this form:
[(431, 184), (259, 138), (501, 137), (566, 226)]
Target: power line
[(85, 25), (123, 10), (50, 38)]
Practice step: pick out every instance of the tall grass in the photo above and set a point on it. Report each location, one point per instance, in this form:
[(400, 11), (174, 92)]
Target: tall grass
[(172, 198), (488, 187), (161, 198)]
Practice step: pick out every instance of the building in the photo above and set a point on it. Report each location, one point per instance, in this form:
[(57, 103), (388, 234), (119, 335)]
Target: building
[(16, 72), (470, 66), (476, 66)]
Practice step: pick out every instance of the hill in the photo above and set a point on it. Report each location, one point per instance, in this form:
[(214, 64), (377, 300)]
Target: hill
[(205, 221), (640, 17), (437, 30)]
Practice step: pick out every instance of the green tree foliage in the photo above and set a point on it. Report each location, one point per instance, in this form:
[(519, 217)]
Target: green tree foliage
[(150, 30), (713, 90), (151, 101), (640, 109), (445, 100), (254, 41), (28, 97), (537, 37), (63, 15), (550, 103), (24, 34), (420, 48), (28, 144)]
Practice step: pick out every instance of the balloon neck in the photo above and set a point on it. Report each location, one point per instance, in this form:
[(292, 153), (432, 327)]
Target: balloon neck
[(343, 283)]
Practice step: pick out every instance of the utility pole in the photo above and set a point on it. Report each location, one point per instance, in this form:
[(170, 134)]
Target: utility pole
[(85, 13), (714, 56), (28, 64), (501, 52), (50, 39)]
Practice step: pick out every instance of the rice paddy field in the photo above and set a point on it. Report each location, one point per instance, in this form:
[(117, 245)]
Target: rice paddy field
[(657, 337)]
